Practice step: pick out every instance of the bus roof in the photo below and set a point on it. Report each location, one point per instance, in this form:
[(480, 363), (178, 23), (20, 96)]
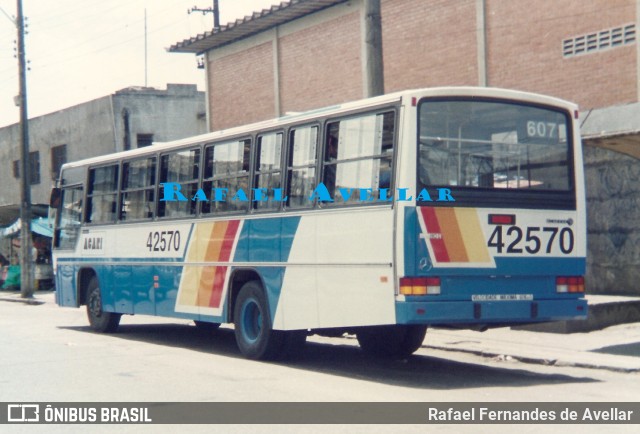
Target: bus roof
[(297, 118)]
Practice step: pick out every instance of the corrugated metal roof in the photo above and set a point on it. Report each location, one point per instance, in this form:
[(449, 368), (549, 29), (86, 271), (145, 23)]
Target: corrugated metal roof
[(250, 25)]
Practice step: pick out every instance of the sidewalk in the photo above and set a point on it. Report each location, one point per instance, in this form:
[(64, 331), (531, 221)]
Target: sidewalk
[(615, 348)]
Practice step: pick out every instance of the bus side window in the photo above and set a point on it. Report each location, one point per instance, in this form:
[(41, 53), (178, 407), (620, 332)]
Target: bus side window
[(102, 194), (268, 174), (69, 218), (358, 155), (138, 188), (182, 168), (301, 168), (226, 170)]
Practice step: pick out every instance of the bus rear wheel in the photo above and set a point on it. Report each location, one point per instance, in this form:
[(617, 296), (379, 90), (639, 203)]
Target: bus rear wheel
[(254, 335), (391, 340), (100, 321)]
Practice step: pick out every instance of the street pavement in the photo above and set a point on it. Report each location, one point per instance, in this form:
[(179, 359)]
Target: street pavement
[(615, 348)]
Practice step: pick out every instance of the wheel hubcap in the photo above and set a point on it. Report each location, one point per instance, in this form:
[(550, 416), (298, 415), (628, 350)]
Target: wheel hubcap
[(251, 321)]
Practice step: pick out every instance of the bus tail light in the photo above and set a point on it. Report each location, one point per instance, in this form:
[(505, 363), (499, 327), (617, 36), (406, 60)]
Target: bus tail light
[(502, 219), (570, 284), (420, 285)]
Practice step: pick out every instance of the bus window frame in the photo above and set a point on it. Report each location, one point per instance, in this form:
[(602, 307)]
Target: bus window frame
[(118, 164), (509, 198), (55, 242), (381, 110), (153, 188), (251, 136), (319, 125), (199, 180), (254, 172)]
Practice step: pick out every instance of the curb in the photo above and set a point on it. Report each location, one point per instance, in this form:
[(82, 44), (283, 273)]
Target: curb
[(602, 314), (535, 360)]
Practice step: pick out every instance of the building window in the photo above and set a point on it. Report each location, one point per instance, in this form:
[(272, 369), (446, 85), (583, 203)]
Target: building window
[(34, 167), (144, 140), (598, 41), (58, 158)]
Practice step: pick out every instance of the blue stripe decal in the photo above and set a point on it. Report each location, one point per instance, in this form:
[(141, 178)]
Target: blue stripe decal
[(186, 246), (522, 267), (411, 231), (268, 240)]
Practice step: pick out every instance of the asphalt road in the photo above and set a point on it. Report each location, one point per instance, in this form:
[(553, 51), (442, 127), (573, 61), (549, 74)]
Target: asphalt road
[(49, 354)]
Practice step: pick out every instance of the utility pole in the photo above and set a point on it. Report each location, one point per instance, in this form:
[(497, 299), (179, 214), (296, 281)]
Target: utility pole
[(216, 15), (26, 259), (145, 47), (374, 65), (215, 10)]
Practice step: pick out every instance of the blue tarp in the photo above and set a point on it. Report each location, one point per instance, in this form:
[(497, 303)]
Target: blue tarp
[(39, 226)]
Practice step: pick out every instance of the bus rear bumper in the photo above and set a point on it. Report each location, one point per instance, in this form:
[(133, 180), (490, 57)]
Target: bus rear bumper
[(484, 312)]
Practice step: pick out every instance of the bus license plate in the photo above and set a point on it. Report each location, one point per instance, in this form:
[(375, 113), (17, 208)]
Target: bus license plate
[(501, 297)]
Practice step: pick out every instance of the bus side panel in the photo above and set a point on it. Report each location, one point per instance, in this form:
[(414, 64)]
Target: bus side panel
[(263, 241), (266, 239), (339, 272), (120, 295), (166, 281), (272, 278), (66, 284), (143, 290)]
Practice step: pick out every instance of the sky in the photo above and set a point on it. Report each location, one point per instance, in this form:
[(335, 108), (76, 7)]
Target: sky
[(82, 50)]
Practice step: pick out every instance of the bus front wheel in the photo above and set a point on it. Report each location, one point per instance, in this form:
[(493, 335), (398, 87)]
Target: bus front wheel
[(254, 335), (100, 321), (391, 340)]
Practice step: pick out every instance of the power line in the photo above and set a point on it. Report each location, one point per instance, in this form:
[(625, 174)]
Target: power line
[(108, 34), (13, 20)]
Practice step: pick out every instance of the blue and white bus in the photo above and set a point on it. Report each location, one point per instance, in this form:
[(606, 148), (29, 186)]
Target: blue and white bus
[(456, 207)]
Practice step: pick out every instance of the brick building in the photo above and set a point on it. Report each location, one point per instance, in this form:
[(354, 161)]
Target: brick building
[(305, 54)]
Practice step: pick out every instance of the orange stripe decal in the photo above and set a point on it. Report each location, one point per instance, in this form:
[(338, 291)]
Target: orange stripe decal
[(472, 235), (451, 235), (203, 285), (211, 254)]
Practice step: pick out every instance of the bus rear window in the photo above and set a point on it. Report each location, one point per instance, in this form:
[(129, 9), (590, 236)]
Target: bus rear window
[(483, 148)]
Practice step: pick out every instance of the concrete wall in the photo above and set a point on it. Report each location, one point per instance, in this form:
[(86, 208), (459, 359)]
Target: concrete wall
[(86, 129), (96, 128), (613, 222), (174, 113)]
